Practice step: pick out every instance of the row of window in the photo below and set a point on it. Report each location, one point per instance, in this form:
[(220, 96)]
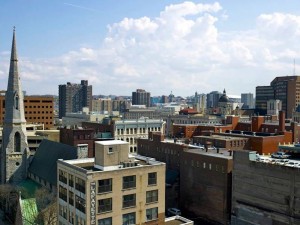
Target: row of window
[(136, 130), (69, 179), (105, 205), (129, 182), (104, 185), (130, 218), (33, 106), (127, 219), (205, 165)]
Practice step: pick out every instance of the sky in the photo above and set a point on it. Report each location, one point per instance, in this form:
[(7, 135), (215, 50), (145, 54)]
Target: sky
[(159, 45)]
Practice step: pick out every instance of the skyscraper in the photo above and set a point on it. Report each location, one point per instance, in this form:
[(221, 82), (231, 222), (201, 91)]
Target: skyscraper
[(141, 97), (73, 97), (285, 88), (212, 99), (247, 99), (14, 152)]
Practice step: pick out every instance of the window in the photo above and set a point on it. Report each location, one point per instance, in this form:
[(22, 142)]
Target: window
[(71, 180), (17, 142), (152, 196), (152, 178), (79, 184), (129, 182), (110, 150), (104, 185), (151, 214), (128, 200), (62, 193), (80, 204), (129, 219), (104, 205), (106, 221), (71, 198), (62, 176)]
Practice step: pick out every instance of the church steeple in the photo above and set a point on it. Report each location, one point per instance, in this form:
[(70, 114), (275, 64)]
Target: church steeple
[(14, 152), (14, 112)]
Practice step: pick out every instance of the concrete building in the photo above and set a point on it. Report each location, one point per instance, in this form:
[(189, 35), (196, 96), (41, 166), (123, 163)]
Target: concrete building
[(128, 130), (38, 110), (113, 188), (131, 130), (141, 97), (73, 97), (274, 107), (264, 191), (14, 153), (247, 100), (200, 102)]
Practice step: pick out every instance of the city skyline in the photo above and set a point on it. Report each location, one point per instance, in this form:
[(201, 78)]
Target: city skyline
[(159, 46)]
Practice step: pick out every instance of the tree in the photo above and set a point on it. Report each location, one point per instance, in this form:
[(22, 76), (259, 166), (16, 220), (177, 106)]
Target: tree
[(35, 210)]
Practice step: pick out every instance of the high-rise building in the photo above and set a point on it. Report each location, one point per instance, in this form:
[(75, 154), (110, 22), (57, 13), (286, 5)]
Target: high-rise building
[(247, 99), (286, 89), (141, 97), (73, 97), (200, 102), (212, 99), (263, 94), (14, 152)]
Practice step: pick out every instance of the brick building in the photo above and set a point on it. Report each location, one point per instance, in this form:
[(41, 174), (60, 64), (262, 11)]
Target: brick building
[(199, 195), (38, 110), (77, 136)]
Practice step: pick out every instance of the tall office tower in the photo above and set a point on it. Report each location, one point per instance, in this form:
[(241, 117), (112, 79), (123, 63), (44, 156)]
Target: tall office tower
[(247, 99), (212, 99), (286, 89), (200, 102), (141, 97), (263, 94), (14, 152), (73, 97)]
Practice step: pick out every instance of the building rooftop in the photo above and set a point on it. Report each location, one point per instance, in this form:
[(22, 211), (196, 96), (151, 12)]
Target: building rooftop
[(212, 152), (88, 164), (177, 220), (111, 142)]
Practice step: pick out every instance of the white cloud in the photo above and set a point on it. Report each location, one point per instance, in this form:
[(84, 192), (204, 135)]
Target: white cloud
[(181, 50)]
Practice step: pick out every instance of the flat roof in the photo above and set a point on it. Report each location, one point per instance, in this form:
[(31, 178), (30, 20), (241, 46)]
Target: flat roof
[(225, 154), (223, 137), (111, 142)]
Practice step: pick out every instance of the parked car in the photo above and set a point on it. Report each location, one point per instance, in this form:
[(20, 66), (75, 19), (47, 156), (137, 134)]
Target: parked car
[(280, 155), (173, 212)]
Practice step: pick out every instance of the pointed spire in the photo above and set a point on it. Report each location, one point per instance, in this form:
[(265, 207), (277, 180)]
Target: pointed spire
[(14, 106), (14, 56), (224, 92)]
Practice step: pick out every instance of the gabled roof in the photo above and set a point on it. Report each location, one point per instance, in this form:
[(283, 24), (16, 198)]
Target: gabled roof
[(44, 163)]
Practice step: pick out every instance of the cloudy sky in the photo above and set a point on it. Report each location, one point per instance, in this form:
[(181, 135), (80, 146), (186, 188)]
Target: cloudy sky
[(158, 45)]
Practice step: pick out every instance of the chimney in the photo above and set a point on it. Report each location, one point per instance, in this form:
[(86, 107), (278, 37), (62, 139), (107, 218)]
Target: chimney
[(82, 151), (281, 121)]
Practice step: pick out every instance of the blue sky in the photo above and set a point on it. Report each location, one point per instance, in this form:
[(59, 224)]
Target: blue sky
[(157, 45)]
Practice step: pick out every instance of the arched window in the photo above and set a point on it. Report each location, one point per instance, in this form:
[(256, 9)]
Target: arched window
[(17, 142)]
